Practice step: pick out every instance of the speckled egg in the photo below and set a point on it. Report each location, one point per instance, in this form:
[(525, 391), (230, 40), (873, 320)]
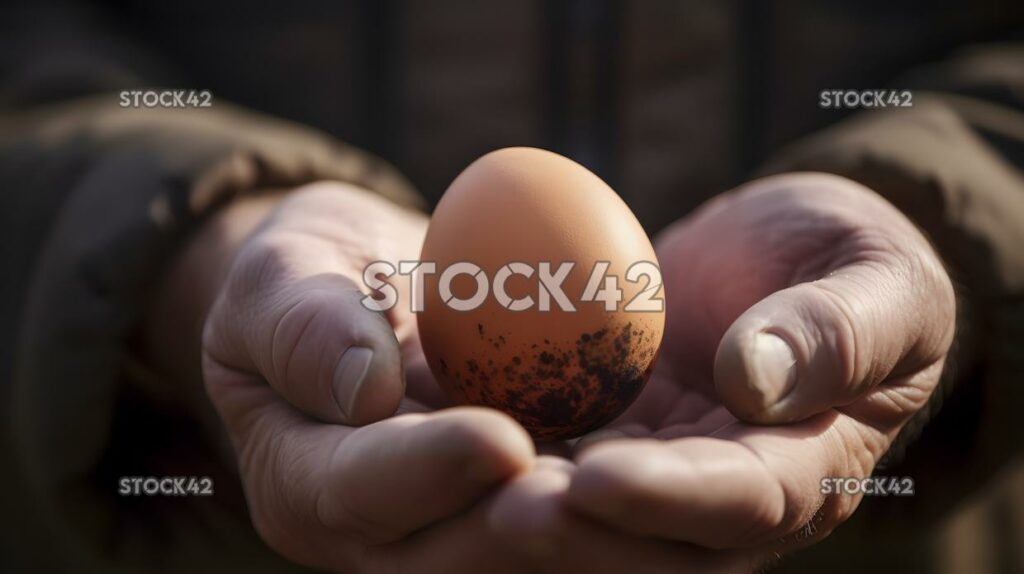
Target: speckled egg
[(494, 334)]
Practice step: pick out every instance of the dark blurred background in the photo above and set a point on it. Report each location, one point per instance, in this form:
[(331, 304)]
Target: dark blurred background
[(671, 102)]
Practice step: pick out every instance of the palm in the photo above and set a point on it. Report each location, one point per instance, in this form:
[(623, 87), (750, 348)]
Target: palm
[(689, 468), (707, 289), (332, 478), (717, 264)]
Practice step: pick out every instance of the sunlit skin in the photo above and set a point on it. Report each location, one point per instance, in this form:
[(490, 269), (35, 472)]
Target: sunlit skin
[(869, 310), (677, 482)]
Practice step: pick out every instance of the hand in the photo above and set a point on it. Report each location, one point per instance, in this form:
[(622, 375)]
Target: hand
[(803, 302), (295, 365)]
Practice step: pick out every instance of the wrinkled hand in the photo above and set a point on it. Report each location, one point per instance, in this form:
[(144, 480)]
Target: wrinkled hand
[(295, 366), (348, 459), (808, 320)]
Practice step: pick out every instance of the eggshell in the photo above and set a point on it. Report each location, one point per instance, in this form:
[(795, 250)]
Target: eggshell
[(559, 373)]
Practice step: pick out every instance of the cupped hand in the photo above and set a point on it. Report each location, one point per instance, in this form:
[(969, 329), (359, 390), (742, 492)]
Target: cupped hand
[(344, 465), (349, 457), (808, 321)]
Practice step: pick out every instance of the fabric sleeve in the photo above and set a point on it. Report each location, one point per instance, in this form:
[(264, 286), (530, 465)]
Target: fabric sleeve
[(954, 164), (95, 199)]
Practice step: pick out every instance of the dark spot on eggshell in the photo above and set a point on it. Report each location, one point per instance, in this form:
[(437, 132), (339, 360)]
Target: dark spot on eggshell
[(560, 392)]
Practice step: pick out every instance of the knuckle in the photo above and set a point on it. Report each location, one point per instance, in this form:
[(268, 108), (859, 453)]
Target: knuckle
[(251, 287), (313, 327), (261, 264), (922, 283), (287, 333), (843, 341)]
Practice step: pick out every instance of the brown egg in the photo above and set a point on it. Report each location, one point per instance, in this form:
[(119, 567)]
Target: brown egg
[(559, 372)]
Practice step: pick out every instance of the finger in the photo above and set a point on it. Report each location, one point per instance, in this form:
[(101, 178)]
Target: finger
[(291, 315), (401, 474), (317, 492), (813, 346), (530, 513), (742, 488), (462, 543)]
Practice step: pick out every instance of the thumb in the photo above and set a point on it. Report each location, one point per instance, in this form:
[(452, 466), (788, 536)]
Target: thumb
[(307, 334), (818, 345)]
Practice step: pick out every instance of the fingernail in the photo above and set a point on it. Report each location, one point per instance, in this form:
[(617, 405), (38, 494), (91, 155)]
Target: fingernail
[(773, 366), (349, 376)]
